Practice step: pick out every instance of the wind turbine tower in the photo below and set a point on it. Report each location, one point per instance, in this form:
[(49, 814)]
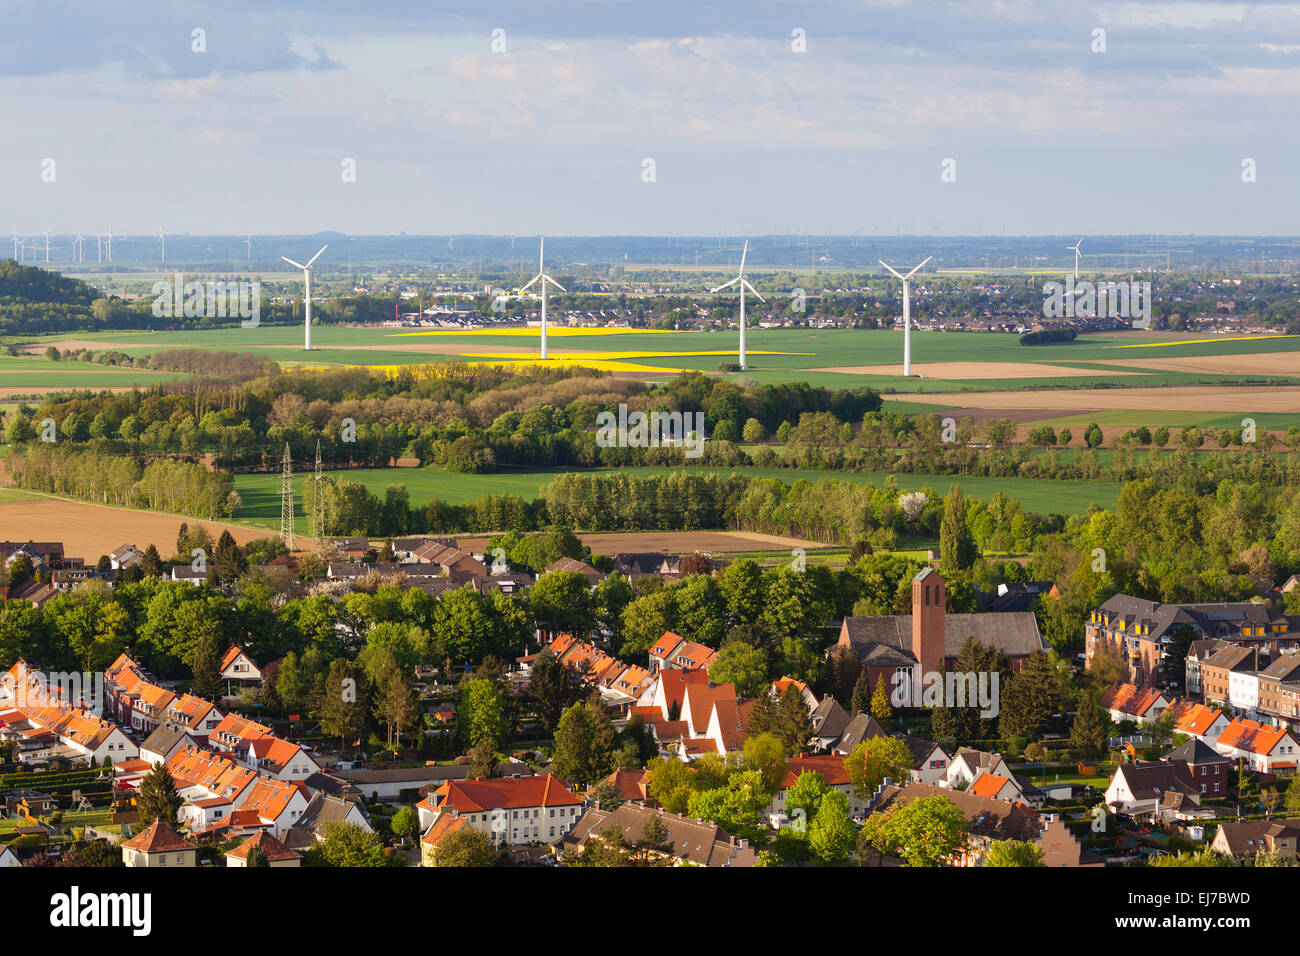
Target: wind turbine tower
[(46, 233), (543, 278), (306, 280), (162, 238), (743, 285), (907, 314)]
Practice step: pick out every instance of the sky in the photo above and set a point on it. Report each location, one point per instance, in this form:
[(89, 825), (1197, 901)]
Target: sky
[(649, 117)]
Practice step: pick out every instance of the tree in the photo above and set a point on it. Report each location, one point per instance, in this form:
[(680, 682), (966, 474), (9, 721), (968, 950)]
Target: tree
[(924, 832), (804, 796), (793, 724), (552, 689), (465, 847), (206, 668), (256, 859), (1088, 735), (151, 563), (338, 705), (480, 714), (671, 783), (873, 760), (765, 753), (957, 550), (1202, 857), (1015, 853), (349, 844), (584, 743), (156, 798), (405, 823), (880, 708), (482, 759), (1030, 699), (831, 834), (860, 702), (740, 664), (1092, 436), (395, 704)]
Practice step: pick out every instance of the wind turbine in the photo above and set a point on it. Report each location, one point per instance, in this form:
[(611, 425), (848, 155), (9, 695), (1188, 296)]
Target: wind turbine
[(248, 241), (541, 274), (306, 280), (907, 314), (19, 248), (99, 244), (46, 233), (744, 284), (1077, 253), (108, 245), (79, 247), (162, 237)]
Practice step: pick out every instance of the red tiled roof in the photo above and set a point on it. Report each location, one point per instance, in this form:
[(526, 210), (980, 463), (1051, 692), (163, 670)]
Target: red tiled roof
[(157, 837), (503, 793), (273, 848)]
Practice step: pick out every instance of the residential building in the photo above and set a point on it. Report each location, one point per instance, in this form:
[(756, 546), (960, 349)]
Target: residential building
[(277, 854), (511, 810), (688, 841), (158, 845)]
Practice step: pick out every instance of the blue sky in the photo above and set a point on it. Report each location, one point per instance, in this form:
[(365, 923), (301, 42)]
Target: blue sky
[(746, 134)]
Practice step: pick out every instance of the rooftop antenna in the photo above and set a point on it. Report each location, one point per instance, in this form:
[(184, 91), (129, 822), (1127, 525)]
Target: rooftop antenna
[(744, 284), (907, 314)]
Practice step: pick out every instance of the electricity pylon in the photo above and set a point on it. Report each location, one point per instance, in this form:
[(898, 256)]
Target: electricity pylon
[(315, 506), (286, 501)]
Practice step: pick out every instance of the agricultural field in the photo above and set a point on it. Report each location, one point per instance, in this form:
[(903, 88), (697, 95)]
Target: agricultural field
[(261, 493), (90, 530)]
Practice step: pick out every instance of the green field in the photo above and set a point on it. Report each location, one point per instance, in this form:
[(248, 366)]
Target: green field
[(261, 493), (805, 353)]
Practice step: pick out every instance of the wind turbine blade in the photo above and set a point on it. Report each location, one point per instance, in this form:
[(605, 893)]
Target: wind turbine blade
[(914, 271), (554, 283), (292, 263), (744, 252), (890, 268), (525, 288), (725, 285), (755, 291), (315, 257)]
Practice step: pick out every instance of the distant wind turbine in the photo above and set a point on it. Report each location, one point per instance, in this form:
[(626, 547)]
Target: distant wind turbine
[(743, 285), (907, 314), (78, 247), (541, 275), (46, 233), (1077, 254), (248, 241), (162, 238), (306, 280), (19, 248), (108, 246)]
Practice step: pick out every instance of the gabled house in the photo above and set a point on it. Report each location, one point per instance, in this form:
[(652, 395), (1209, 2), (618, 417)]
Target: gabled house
[(1245, 838), (1142, 705), (1205, 724), (1209, 768), (1260, 747), (688, 841), (991, 821), (277, 854), (834, 774), (674, 652), (861, 727), (158, 845), (929, 760), (968, 763), (238, 670), (510, 810), (829, 721), (1163, 789)]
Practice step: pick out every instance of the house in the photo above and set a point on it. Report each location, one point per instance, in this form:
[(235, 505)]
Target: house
[(1208, 767), (35, 593), (632, 786), (834, 774), (1143, 786), (688, 841), (404, 783), (635, 566), (829, 721), (261, 750), (443, 824), (188, 575), (1015, 596), (1245, 838), (779, 687), (929, 640), (991, 821), (238, 669), (8, 858), (1141, 631), (163, 744), (997, 787), (592, 574), (672, 651), (1206, 724), (352, 548), (124, 555), (277, 854), (929, 760), (1259, 746), (860, 728), (1059, 846), (1197, 652), (968, 763), (453, 561), (321, 810), (1142, 705), (511, 810), (42, 555), (1217, 670), (158, 845)]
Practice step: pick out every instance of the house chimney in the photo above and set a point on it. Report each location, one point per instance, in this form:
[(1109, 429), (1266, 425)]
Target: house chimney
[(929, 594)]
